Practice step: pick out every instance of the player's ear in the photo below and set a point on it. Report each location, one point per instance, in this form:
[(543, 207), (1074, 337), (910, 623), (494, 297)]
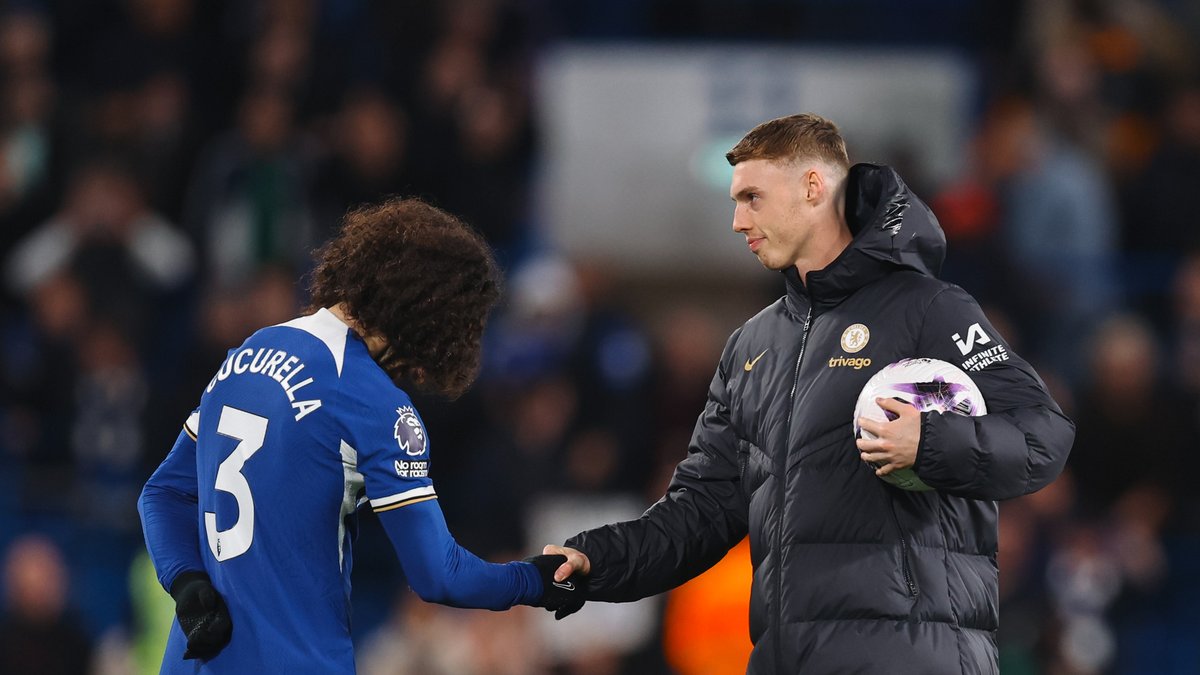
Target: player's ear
[(813, 184)]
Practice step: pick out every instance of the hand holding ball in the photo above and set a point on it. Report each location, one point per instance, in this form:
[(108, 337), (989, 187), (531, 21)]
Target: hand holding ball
[(926, 385)]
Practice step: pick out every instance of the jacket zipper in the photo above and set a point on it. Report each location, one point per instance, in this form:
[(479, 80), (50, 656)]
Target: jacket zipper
[(782, 479), (905, 568)]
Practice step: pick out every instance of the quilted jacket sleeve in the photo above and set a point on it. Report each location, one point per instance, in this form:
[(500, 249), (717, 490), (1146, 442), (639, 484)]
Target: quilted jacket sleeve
[(702, 516), (1021, 445)]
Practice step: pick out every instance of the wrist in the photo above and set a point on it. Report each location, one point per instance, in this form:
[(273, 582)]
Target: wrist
[(184, 578), (530, 584)]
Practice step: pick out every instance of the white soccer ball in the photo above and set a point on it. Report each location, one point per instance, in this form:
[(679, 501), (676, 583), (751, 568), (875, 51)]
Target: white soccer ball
[(925, 384)]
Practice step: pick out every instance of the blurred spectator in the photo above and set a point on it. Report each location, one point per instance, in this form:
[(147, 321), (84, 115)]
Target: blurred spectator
[(507, 462), (490, 181), (612, 361), (1127, 404), (478, 149), (1066, 74), (137, 86), (126, 256), (38, 634), (1060, 229), (26, 148), (688, 344), (574, 367), (969, 208), (164, 141), (1083, 580), (248, 204), (25, 43), (457, 61), (107, 429), (368, 159), (279, 59), (41, 369), (540, 322), (146, 120), (28, 94), (1158, 227)]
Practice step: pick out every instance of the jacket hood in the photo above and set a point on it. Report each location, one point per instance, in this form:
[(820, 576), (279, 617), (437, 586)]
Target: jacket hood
[(892, 228)]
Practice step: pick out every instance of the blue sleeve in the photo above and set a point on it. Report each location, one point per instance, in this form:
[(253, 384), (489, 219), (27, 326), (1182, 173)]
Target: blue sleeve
[(392, 452), (441, 571), (167, 507)]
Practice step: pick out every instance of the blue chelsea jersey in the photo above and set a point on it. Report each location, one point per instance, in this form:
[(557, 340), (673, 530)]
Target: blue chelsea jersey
[(298, 422)]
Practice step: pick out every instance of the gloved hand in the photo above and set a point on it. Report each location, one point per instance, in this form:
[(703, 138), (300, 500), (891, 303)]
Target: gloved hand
[(561, 597), (202, 615)]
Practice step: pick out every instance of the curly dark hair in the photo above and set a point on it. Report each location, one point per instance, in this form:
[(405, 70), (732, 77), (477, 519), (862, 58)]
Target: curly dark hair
[(420, 278)]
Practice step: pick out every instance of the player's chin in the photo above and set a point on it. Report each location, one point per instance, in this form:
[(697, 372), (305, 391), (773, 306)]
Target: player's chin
[(773, 265)]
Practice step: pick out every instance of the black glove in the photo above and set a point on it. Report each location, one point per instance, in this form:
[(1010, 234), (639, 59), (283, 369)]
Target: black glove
[(202, 615), (564, 598)]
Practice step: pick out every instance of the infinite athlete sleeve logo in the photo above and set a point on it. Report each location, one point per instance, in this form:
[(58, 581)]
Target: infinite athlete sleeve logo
[(980, 360)]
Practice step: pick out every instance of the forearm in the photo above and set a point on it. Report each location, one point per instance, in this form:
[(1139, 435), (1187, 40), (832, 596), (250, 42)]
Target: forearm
[(681, 536), (168, 510), (997, 456), (704, 513), (171, 530), (1021, 445), (441, 571)]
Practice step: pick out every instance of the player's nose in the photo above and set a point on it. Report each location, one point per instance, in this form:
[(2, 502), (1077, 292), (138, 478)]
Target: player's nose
[(741, 224)]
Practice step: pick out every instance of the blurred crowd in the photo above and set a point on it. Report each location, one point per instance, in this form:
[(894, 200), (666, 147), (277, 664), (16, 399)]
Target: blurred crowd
[(166, 167)]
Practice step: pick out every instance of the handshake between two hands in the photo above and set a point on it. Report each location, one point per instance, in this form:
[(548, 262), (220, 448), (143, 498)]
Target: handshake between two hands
[(563, 587)]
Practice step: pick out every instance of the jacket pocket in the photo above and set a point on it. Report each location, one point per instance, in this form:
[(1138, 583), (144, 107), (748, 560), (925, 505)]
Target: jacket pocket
[(906, 557), (753, 466)]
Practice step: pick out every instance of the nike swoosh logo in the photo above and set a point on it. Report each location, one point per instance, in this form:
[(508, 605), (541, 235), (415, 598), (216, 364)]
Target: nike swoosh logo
[(750, 364), (565, 585)]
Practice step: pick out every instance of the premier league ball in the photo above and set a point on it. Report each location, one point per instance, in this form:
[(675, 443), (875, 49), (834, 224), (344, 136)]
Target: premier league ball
[(925, 384)]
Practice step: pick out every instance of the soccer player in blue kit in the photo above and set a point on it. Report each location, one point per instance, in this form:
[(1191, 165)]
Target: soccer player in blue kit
[(250, 518)]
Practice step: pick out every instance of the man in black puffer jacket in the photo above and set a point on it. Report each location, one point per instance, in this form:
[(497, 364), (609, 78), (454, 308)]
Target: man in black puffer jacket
[(851, 575)]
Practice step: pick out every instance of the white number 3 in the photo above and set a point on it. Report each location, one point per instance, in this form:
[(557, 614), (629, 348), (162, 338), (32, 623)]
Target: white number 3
[(250, 431)]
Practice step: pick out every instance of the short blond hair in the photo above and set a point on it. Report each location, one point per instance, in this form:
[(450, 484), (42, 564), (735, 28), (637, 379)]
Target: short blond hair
[(791, 138)]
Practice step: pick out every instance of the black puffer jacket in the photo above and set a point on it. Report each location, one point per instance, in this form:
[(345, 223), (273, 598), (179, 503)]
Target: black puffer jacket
[(851, 575)]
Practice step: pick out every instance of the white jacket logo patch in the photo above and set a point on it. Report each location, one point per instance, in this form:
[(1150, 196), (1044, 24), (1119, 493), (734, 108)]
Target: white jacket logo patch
[(975, 335)]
